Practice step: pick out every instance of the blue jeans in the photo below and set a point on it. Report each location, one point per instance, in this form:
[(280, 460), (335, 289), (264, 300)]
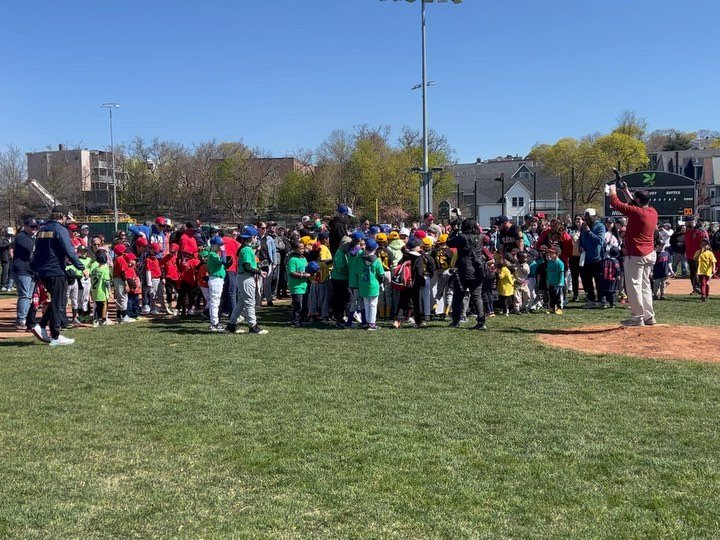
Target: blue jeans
[(25, 288)]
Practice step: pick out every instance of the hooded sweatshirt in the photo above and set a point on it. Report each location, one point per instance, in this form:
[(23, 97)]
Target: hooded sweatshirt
[(395, 248), (371, 276)]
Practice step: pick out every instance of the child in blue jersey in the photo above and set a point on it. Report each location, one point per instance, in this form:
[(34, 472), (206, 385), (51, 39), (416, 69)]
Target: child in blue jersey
[(661, 271)]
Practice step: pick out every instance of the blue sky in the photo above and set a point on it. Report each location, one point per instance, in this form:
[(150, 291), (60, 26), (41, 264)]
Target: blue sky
[(282, 74)]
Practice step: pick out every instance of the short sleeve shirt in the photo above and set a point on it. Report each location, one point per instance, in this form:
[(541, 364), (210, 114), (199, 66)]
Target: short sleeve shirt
[(508, 238), (247, 255)]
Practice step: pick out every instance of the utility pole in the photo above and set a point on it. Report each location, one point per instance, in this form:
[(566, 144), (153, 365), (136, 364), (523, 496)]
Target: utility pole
[(110, 107), (534, 193), (572, 192), (475, 208)]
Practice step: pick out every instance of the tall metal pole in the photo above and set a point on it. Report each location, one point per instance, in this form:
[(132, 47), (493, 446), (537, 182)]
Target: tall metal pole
[(112, 149), (502, 187), (475, 208), (534, 193), (572, 192), (426, 188)]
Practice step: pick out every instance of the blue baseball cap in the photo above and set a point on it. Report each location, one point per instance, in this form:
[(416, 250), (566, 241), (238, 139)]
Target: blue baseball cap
[(216, 241), (370, 244), (374, 230), (312, 267), (249, 231), (345, 209), (357, 236)]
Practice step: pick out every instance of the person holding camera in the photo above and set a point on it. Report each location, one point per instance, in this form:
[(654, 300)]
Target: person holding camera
[(640, 253), (592, 240)]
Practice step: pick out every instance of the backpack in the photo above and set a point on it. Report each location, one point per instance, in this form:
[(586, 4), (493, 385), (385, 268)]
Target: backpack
[(384, 257), (402, 276)]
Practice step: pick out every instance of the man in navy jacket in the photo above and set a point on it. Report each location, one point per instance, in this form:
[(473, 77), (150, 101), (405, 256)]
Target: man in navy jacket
[(53, 249), (592, 240)]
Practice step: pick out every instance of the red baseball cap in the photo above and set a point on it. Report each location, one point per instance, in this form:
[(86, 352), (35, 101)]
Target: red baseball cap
[(142, 241), (119, 249), (130, 257), (420, 234), (155, 247)]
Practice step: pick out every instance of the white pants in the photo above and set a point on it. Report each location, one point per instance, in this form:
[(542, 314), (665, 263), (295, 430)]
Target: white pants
[(215, 286), (371, 304), (85, 298), (72, 295), (638, 274)]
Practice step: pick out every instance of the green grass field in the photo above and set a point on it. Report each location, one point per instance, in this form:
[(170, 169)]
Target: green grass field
[(161, 429)]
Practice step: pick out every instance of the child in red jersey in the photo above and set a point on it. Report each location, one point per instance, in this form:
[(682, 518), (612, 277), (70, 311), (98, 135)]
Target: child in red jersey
[(133, 288), (153, 274), (188, 289), (171, 276)]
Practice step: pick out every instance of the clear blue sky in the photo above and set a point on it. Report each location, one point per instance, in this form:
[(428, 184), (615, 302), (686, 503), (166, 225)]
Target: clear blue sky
[(282, 74)]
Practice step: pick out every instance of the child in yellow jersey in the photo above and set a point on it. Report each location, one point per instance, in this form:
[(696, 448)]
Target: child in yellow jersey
[(706, 266), (319, 298), (505, 286)]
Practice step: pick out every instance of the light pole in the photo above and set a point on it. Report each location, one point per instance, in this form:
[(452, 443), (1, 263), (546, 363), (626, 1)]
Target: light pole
[(426, 194), (110, 107)]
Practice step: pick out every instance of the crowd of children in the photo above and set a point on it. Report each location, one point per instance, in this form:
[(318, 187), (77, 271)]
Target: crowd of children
[(353, 276)]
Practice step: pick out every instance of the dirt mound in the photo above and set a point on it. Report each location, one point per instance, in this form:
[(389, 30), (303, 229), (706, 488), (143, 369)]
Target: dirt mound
[(662, 341)]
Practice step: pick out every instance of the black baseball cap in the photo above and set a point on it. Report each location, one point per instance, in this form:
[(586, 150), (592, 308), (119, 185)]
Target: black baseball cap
[(30, 222)]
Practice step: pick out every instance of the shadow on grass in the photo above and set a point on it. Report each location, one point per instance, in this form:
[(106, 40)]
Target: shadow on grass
[(558, 331), (25, 342)]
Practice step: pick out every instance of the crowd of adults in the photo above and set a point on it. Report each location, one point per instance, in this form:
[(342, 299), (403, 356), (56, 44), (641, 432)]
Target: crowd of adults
[(349, 272)]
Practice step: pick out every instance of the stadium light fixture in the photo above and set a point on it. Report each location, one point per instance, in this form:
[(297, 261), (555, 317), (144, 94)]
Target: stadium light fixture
[(426, 191)]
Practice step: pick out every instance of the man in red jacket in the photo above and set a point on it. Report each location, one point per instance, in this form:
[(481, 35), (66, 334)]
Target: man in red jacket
[(640, 250), (693, 236)]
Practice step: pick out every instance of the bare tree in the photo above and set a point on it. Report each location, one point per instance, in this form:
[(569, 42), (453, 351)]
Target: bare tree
[(13, 196)]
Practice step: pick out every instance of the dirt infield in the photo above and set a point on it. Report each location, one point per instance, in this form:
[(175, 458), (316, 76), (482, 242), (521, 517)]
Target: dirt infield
[(662, 342)]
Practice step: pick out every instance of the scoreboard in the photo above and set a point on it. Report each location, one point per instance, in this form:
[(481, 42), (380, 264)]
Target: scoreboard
[(672, 195)]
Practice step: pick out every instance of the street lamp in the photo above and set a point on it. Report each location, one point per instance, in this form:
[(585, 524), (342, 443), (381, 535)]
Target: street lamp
[(426, 195), (110, 107)]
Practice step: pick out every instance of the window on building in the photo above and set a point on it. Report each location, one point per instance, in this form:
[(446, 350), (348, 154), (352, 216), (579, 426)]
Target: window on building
[(521, 202), (514, 202)]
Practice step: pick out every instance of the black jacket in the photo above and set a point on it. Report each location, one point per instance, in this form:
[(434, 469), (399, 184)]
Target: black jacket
[(52, 248), (338, 228), (470, 262)]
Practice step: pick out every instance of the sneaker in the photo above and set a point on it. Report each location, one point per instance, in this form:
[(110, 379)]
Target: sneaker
[(421, 324), (491, 315), (454, 324), (217, 328), (558, 311), (590, 305), (127, 319), (171, 311), (257, 330), (479, 326), (154, 312), (61, 340), (339, 326), (650, 322), (40, 333), (146, 310), (632, 322), (191, 311), (411, 320), (397, 324), (20, 326), (76, 322), (372, 327)]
